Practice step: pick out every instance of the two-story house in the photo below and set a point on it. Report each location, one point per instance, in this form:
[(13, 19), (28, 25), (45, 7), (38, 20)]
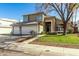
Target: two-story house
[(38, 22)]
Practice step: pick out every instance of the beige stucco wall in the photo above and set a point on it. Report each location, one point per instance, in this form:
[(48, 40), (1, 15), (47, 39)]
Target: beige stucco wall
[(40, 28), (52, 20), (69, 26)]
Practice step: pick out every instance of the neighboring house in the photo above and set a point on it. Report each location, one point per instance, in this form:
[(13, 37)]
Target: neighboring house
[(39, 22), (5, 27)]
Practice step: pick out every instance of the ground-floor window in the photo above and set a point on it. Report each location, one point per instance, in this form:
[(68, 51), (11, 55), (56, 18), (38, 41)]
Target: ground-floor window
[(59, 28)]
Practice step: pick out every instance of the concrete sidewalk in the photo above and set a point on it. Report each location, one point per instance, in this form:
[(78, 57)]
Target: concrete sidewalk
[(38, 50)]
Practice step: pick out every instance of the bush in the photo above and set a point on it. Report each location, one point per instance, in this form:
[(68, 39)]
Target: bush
[(70, 31), (52, 33)]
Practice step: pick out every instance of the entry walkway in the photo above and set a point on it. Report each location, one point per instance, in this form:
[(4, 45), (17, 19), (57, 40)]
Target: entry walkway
[(32, 39)]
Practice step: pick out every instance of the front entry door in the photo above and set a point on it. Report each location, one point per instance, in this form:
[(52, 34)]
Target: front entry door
[(48, 26)]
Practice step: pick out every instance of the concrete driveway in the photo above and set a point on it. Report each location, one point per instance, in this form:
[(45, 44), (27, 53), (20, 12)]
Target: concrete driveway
[(7, 38), (10, 37), (4, 52)]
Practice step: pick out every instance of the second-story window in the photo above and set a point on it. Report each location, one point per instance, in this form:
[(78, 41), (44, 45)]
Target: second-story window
[(25, 18), (38, 18), (32, 18)]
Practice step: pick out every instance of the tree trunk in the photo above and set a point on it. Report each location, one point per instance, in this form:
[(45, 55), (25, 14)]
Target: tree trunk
[(64, 28)]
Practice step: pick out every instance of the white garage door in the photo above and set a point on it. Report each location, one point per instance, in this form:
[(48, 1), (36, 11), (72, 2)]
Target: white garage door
[(28, 28), (16, 30)]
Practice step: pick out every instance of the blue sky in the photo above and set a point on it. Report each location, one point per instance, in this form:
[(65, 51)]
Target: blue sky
[(15, 10)]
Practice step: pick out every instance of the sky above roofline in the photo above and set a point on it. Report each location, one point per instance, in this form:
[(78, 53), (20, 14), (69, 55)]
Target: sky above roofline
[(16, 10)]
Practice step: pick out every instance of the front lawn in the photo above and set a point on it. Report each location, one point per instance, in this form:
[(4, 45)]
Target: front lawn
[(68, 41)]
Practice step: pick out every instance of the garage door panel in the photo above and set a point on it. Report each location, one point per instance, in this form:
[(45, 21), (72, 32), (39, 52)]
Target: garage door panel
[(27, 29)]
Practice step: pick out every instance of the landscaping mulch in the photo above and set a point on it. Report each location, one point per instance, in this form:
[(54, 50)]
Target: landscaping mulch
[(55, 44)]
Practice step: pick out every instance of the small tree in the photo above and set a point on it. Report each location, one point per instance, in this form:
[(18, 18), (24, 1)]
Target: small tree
[(64, 10)]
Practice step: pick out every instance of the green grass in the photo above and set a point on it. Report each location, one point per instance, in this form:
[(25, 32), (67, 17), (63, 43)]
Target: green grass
[(67, 39)]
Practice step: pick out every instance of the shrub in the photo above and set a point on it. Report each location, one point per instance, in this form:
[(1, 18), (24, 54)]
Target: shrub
[(70, 31)]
